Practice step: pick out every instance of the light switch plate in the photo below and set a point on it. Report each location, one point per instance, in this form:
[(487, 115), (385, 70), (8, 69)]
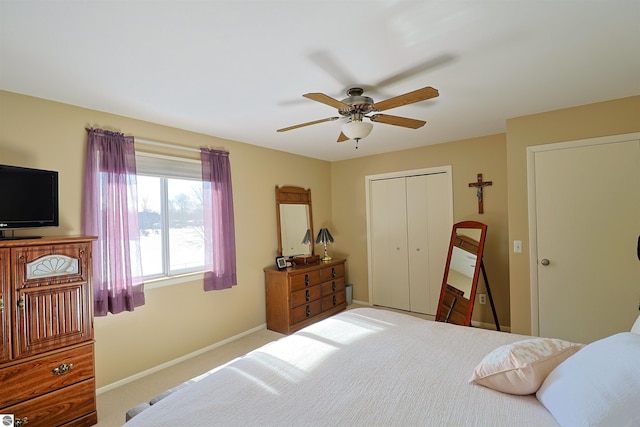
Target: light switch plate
[(517, 246)]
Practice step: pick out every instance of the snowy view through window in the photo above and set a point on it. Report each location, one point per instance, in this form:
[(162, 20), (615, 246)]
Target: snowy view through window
[(176, 205)]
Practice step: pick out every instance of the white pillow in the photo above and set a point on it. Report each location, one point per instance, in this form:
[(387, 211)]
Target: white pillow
[(636, 326), (598, 386), (521, 367)]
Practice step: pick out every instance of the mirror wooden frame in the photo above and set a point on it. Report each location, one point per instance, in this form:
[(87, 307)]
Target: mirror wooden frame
[(289, 195), (453, 306)]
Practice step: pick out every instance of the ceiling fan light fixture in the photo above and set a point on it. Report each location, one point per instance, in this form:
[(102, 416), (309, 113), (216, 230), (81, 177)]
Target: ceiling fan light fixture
[(357, 129)]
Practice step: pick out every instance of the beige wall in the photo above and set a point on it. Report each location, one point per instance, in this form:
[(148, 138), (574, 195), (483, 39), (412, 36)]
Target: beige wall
[(588, 121), (486, 155), (178, 319)]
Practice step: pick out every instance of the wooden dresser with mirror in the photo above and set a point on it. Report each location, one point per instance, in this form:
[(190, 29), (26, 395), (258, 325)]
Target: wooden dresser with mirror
[(302, 294), (46, 317)]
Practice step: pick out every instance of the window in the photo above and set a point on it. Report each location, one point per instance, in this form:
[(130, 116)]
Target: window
[(170, 215)]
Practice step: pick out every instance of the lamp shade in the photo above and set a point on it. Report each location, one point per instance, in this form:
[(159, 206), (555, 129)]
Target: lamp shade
[(324, 236), (357, 129), (306, 240)]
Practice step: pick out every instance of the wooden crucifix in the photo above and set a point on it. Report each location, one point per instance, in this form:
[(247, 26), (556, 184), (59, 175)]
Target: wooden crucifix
[(479, 185)]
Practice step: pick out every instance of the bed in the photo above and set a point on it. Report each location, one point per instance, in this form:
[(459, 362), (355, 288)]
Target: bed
[(373, 367)]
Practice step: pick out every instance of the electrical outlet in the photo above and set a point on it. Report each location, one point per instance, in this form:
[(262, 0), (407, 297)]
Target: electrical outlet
[(482, 298)]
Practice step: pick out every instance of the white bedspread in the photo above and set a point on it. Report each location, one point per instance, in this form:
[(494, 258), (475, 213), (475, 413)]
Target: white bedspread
[(362, 367)]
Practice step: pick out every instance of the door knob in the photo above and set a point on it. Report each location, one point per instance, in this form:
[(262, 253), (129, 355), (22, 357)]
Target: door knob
[(544, 262)]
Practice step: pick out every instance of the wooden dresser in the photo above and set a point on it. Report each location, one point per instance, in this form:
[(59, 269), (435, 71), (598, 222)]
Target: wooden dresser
[(46, 318), (301, 295)]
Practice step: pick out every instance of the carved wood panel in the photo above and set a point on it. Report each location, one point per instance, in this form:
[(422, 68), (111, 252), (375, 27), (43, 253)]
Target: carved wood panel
[(50, 264), (52, 297), (5, 306)]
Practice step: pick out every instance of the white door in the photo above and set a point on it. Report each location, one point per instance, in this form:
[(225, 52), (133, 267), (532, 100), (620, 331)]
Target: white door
[(429, 230), (410, 225), (390, 265), (587, 223)]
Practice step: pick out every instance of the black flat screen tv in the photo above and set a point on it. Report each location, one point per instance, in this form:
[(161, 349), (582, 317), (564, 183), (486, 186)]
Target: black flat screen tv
[(28, 198)]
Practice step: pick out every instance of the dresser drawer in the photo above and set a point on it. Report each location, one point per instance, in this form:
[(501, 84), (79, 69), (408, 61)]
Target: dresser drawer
[(331, 272), (35, 377), (306, 311), (58, 407), (333, 300), (294, 296), (332, 286), (304, 280), (304, 296)]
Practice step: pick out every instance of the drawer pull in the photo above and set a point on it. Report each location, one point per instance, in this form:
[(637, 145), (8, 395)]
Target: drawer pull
[(308, 311), (306, 280), (21, 302), (20, 421), (335, 300), (333, 286), (62, 369), (333, 272), (307, 295)]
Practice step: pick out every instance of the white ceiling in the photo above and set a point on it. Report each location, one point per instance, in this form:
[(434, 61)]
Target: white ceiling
[(237, 69)]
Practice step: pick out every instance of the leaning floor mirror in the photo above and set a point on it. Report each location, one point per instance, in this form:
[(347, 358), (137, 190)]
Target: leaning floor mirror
[(461, 273)]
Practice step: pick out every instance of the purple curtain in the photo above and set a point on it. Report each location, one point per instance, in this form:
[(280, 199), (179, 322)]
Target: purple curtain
[(111, 213), (219, 230)]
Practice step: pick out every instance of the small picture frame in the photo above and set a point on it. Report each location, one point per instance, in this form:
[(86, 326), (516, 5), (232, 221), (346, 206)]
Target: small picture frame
[(281, 262)]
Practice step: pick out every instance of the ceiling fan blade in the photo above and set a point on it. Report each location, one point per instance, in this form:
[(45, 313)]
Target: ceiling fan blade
[(315, 122), (419, 68), (342, 137), (408, 98), (332, 66), (397, 121), (326, 99)]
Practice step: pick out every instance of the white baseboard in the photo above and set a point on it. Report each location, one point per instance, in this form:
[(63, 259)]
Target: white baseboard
[(361, 303), (490, 326), (170, 363)]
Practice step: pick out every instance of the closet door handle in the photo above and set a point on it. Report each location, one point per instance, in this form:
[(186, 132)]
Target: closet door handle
[(638, 248)]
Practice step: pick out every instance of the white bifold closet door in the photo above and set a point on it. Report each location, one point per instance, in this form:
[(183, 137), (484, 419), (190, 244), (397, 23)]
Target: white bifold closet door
[(410, 220)]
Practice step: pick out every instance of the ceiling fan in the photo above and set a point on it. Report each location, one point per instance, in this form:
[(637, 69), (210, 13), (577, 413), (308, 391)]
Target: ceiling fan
[(357, 107)]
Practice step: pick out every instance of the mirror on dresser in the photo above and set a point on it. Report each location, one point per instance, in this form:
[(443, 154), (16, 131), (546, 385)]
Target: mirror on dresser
[(308, 289), (294, 221), (461, 273)]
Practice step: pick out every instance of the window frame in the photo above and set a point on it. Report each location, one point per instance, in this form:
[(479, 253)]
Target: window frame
[(160, 166)]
